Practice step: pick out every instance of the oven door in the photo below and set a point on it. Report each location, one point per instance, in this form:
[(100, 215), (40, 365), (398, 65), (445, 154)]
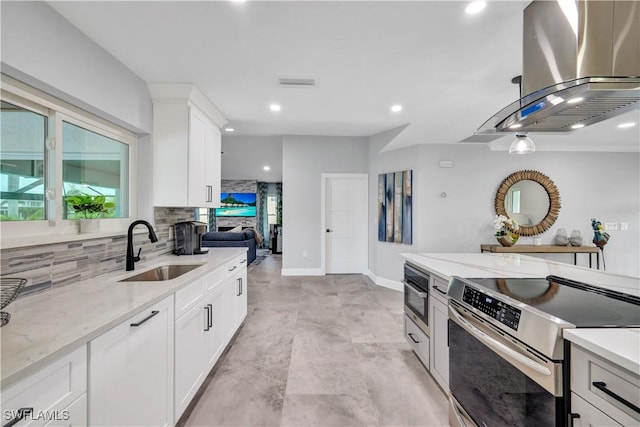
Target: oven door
[(416, 303), (495, 383)]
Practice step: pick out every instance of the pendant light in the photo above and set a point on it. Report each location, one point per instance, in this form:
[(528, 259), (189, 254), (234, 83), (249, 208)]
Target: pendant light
[(522, 145)]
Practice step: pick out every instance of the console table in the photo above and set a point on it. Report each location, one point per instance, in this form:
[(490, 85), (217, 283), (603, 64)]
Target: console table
[(546, 249)]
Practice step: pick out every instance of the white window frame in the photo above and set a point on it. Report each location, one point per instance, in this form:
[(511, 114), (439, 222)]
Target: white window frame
[(55, 228)]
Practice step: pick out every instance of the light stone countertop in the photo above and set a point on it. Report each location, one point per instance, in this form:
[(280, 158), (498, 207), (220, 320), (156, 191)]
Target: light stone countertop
[(475, 265), (619, 346), (48, 324)]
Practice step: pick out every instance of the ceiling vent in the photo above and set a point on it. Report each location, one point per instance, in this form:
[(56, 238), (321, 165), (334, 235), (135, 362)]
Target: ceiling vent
[(296, 82)]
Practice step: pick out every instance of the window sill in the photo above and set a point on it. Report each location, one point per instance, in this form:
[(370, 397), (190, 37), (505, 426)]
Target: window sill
[(26, 241)]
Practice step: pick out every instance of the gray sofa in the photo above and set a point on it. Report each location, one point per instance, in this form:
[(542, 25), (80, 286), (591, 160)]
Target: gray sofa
[(222, 239)]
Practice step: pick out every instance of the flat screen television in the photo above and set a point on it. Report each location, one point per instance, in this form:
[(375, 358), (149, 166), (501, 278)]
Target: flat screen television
[(237, 204)]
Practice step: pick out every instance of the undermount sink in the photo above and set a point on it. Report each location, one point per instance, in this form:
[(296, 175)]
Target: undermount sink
[(164, 272)]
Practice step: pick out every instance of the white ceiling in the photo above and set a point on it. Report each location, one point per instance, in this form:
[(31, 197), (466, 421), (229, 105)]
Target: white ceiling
[(450, 71)]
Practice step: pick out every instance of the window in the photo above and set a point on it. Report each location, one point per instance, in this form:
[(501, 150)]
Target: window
[(272, 213), (59, 163), (23, 135), (95, 171), (202, 215)]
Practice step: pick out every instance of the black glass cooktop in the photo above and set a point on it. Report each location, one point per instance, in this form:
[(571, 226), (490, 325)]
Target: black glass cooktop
[(583, 305)]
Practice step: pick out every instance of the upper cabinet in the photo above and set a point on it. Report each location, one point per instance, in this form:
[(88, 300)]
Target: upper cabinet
[(186, 147)]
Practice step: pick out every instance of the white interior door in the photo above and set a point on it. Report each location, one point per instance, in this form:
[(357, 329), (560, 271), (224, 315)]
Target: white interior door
[(345, 224)]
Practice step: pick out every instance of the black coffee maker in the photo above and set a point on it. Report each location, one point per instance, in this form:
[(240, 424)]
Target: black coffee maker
[(188, 238)]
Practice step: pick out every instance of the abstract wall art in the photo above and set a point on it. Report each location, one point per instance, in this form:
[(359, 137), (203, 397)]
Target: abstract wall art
[(395, 207)]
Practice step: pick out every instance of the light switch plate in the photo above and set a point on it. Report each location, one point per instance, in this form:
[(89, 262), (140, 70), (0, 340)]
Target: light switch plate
[(610, 226), (624, 226)]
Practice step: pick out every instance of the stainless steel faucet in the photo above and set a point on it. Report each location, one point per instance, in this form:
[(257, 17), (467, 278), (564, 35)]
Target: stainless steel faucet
[(131, 260)]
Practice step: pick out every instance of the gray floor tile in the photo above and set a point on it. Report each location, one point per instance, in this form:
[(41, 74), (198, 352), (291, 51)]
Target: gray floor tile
[(319, 351)]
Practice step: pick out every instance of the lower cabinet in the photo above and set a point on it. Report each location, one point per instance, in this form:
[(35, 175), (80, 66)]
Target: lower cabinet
[(131, 371), (54, 396), (203, 332), (417, 339), (439, 319)]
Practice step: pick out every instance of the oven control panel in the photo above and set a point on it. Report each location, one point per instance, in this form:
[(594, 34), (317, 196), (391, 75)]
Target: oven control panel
[(492, 307)]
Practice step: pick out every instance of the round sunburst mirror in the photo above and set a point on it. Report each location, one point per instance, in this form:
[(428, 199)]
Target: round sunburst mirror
[(531, 199)]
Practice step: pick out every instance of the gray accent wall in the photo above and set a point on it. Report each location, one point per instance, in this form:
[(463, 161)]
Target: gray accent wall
[(601, 185), (304, 160)]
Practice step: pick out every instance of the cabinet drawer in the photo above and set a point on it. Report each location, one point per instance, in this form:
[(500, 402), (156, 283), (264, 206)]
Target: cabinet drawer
[(605, 385), (417, 339), (51, 389), (590, 416), (234, 266), (213, 279), (188, 297), (439, 289), (73, 415)]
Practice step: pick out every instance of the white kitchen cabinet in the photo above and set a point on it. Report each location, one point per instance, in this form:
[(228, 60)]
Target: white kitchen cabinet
[(439, 328), (131, 370), (602, 393), (240, 284), (203, 331), (189, 356), (54, 394), (417, 339), (186, 147)]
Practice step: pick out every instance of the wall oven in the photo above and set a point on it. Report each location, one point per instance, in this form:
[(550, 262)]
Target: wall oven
[(509, 365), (416, 296)]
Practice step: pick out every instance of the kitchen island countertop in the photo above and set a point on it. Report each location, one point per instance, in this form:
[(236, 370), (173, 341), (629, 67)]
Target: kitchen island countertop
[(621, 346), (49, 324)]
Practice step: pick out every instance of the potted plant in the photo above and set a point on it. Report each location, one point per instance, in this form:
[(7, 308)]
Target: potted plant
[(506, 230), (88, 209)]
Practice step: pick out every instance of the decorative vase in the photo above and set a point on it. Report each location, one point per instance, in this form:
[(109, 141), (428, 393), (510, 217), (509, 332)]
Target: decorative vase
[(509, 239), (88, 226), (576, 238), (561, 238)]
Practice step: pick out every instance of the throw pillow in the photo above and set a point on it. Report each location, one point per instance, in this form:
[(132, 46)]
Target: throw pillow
[(237, 229)]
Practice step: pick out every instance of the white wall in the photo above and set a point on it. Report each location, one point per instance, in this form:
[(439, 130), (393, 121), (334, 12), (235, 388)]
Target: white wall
[(601, 185), (43, 49), (304, 160), (245, 156)]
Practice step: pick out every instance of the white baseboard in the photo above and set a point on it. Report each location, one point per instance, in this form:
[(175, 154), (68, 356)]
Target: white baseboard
[(302, 272), (385, 283)]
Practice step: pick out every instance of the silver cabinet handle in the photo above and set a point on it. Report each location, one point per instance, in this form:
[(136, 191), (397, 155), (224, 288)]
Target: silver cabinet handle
[(507, 353), (234, 267), (421, 294)]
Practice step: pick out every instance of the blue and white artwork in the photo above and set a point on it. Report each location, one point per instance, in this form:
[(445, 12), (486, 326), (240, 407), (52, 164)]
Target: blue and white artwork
[(395, 207)]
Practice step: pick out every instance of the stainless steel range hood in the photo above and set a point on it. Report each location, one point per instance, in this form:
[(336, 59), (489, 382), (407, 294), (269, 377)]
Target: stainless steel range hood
[(581, 65)]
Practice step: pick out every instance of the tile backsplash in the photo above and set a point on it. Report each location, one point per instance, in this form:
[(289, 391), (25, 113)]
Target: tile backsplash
[(59, 264)]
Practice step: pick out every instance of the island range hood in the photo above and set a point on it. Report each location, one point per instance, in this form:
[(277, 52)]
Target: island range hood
[(581, 65)]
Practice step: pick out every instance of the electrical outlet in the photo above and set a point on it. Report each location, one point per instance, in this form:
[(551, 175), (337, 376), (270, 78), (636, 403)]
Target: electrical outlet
[(624, 226), (610, 226)]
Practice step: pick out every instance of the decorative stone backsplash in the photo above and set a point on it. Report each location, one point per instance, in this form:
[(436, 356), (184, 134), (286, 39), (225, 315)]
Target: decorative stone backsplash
[(238, 186), (60, 264)]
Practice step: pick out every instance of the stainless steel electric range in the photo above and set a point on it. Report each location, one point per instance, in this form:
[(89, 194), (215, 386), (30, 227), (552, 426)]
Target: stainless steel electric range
[(509, 365)]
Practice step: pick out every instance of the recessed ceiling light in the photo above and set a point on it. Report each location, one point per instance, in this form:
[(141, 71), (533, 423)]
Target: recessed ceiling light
[(575, 100), (577, 126), (275, 107), (515, 126), (475, 7), (626, 125), (396, 108), (229, 129), (267, 168)]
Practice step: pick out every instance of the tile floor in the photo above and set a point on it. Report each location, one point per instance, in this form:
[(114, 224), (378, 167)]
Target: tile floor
[(319, 351)]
